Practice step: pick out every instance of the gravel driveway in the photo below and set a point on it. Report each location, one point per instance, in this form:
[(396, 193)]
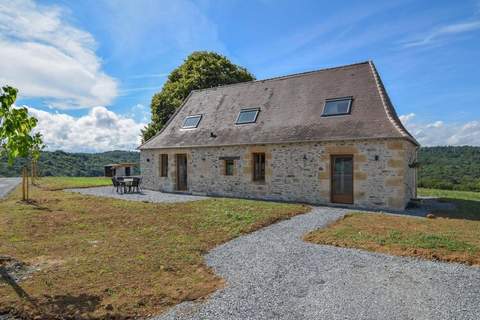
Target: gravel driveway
[(273, 274), (145, 195), (7, 185)]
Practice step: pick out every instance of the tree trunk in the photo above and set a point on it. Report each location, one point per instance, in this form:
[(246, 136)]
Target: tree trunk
[(24, 196), (24, 184)]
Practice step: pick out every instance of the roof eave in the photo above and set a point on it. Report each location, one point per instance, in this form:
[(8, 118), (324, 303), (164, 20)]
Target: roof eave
[(282, 142)]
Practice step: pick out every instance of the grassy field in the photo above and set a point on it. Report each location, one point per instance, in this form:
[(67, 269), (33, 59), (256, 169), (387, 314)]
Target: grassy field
[(452, 194), (59, 183), (453, 238), (97, 258)]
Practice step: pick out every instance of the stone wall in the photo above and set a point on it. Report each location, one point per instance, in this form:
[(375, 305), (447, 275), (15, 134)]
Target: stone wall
[(294, 171)]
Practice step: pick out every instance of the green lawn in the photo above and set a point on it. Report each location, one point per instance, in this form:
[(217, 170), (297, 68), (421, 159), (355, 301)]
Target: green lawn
[(99, 257), (443, 239), (59, 183), (453, 236)]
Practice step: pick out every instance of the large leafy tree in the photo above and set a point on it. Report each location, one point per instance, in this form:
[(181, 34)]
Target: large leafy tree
[(16, 125), (200, 70), (16, 137)]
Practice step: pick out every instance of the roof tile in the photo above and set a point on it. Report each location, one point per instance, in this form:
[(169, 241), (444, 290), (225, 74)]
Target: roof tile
[(290, 111)]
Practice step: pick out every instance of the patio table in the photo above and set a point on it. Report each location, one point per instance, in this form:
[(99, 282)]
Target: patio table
[(126, 183)]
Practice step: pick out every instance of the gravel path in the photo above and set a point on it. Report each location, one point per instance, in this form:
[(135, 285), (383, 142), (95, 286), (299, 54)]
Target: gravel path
[(273, 274), (7, 185), (145, 195)]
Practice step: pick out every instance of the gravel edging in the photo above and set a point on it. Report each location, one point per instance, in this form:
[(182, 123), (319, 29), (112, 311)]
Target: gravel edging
[(144, 195), (273, 274)]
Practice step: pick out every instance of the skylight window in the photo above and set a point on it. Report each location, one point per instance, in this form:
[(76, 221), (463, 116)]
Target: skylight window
[(247, 116), (192, 121), (334, 107)]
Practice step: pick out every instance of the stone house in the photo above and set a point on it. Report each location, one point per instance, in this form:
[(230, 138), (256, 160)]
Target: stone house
[(330, 136)]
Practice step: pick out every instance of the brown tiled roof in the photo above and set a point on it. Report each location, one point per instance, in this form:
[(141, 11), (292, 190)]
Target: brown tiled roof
[(290, 111)]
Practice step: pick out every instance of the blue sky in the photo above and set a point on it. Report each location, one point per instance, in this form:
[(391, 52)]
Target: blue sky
[(88, 69)]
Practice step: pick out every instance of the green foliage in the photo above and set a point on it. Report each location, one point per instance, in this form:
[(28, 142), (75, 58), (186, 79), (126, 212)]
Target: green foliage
[(450, 168), (200, 70), (63, 164), (16, 138)]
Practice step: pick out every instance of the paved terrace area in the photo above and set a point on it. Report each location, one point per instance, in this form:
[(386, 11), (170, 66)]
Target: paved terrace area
[(144, 195)]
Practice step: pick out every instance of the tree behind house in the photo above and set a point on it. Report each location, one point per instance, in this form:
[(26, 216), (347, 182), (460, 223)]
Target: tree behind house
[(200, 70)]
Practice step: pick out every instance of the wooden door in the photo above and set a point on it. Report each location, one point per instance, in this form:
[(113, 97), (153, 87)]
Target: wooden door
[(342, 179), (182, 172)]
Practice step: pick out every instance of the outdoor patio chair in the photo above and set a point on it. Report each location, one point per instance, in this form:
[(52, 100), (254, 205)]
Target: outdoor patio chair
[(115, 184), (140, 179), (135, 186)]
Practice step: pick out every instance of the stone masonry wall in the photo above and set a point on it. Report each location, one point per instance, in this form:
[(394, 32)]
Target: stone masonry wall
[(411, 173), (294, 171)]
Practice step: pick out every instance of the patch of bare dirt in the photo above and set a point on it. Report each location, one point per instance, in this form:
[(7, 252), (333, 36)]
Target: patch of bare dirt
[(15, 269)]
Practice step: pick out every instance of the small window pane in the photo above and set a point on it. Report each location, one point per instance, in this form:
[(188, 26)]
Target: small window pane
[(192, 121), (247, 116), (335, 107), (229, 167)]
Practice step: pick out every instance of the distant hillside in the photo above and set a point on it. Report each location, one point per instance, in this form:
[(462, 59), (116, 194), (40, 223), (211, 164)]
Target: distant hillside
[(455, 168), (61, 163)]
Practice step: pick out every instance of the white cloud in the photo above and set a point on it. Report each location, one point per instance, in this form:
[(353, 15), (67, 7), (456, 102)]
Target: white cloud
[(406, 118), (44, 56), (442, 32), (139, 111), (99, 130), (436, 124), (439, 133)]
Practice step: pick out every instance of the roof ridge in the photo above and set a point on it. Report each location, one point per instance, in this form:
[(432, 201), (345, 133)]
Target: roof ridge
[(387, 105), (292, 75)]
